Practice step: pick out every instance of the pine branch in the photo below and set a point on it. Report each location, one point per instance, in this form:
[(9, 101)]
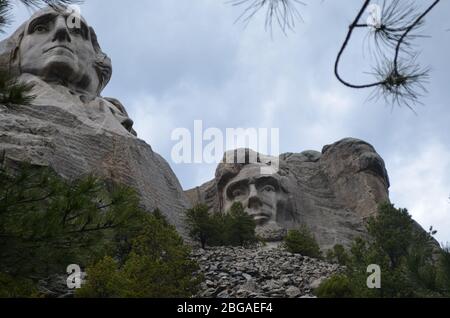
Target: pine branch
[(282, 12), (398, 82), (13, 92), (6, 7), (396, 28), (52, 3), (5, 16)]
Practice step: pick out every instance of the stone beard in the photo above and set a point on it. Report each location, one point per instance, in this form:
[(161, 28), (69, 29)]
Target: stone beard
[(264, 197), (48, 47)]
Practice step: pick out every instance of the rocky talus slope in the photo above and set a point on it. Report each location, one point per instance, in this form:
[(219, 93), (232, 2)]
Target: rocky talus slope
[(261, 272)]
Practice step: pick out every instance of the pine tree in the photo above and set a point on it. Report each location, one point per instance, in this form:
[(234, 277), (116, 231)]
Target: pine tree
[(240, 226), (406, 255), (302, 241), (234, 228), (201, 225), (158, 265), (47, 223)]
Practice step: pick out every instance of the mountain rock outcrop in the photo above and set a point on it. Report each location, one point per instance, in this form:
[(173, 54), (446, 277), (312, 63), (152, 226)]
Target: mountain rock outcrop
[(69, 126), (332, 192)]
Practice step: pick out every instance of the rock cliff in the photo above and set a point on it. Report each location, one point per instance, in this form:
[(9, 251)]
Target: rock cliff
[(69, 126), (333, 192)]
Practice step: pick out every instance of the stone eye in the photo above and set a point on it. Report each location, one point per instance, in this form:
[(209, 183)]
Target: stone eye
[(269, 188), (76, 31), (40, 28), (237, 193)]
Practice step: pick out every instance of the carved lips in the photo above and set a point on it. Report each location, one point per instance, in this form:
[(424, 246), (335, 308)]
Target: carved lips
[(59, 47), (260, 216)]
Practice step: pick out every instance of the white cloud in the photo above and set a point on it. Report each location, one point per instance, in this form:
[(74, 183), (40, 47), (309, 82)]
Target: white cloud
[(332, 102), (421, 183), (153, 121)]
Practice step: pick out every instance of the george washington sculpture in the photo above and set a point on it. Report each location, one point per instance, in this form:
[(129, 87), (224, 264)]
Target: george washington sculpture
[(48, 49)]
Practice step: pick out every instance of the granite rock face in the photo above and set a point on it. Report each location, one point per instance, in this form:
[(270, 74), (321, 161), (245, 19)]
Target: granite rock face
[(69, 126), (261, 272), (332, 192), (49, 135)]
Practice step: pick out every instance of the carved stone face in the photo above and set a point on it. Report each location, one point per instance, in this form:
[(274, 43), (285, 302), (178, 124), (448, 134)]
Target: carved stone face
[(57, 53), (260, 195), (121, 115)]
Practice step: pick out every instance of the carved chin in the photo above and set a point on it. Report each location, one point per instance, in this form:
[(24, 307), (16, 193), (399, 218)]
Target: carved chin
[(63, 70), (61, 66), (271, 232)]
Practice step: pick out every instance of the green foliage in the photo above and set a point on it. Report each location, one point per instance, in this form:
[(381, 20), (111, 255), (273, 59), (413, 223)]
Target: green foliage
[(202, 226), (443, 271), (405, 254), (14, 92), (392, 231), (240, 227), (103, 280), (235, 228), (158, 265), (14, 287), (302, 242), (337, 286), (338, 254), (47, 223)]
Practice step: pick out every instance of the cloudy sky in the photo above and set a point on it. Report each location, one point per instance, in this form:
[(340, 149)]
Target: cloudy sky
[(176, 61)]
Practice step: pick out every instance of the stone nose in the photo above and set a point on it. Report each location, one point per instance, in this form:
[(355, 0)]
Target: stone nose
[(254, 203), (253, 200), (62, 34), (252, 191), (128, 124)]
